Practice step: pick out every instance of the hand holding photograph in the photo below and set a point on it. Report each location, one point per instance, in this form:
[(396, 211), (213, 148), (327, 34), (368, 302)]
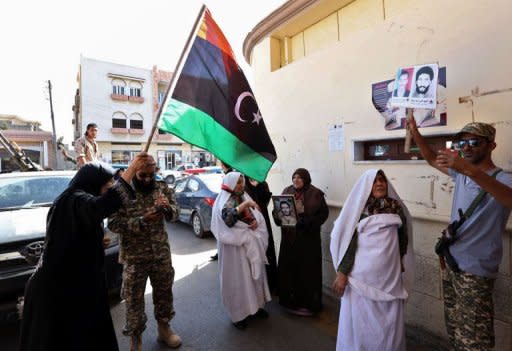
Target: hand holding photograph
[(284, 207)]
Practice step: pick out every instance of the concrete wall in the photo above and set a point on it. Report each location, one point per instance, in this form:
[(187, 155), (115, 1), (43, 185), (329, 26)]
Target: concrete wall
[(331, 84)]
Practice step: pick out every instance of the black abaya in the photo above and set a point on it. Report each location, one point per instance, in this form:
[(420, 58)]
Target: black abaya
[(262, 195), (66, 303)]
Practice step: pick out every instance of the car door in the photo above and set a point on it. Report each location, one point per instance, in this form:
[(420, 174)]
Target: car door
[(181, 198), (193, 187)]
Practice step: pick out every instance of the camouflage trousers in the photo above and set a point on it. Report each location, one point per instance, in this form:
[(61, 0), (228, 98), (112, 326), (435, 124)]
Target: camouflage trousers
[(135, 276), (468, 311)]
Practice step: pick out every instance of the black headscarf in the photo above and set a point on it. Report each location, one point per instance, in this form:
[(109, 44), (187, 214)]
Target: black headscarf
[(304, 174), (91, 177)]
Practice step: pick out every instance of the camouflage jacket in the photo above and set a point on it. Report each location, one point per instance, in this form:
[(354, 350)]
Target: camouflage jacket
[(87, 148), (142, 242)]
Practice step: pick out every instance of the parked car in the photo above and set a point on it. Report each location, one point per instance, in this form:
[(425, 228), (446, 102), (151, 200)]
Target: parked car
[(119, 165), (195, 195), (170, 175), (195, 170), (25, 199), (213, 169)]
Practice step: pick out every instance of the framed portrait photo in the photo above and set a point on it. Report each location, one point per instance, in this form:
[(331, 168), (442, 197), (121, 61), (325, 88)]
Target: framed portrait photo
[(284, 206)]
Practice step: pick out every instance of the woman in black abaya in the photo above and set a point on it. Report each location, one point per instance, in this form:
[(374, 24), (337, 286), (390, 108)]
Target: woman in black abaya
[(261, 194), (66, 303)]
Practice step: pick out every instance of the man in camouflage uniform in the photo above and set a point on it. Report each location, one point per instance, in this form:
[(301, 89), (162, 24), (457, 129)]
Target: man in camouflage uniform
[(145, 252), (478, 247)]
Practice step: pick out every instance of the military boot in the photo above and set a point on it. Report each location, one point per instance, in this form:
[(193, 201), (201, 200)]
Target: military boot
[(136, 343), (168, 336)]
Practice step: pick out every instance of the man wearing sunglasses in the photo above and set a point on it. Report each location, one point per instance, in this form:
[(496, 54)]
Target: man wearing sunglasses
[(469, 310), (145, 252)]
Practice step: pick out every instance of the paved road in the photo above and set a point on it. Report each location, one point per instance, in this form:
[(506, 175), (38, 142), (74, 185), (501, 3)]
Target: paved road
[(200, 318)]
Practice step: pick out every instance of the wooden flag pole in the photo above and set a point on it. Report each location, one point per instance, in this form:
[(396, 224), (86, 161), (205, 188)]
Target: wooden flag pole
[(179, 65), (408, 135)]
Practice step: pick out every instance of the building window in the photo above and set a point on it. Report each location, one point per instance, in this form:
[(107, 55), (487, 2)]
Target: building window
[(118, 120), (135, 92), (393, 149), (136, 121), (136, 124), (118, 86), (118, 123), (123, 156), (117, 90), (161, 96)]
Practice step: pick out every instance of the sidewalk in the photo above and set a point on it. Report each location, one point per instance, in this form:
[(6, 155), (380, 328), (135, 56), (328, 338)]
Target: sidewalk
[(203, 323)]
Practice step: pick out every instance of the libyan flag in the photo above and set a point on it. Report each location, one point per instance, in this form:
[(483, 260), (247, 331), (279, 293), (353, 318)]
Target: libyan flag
[(213, 107)]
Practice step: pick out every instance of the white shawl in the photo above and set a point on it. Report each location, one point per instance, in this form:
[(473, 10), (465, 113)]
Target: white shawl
[(254, 242), (348, 220)]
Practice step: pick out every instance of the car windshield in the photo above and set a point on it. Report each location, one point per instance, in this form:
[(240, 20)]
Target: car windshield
[(31, 191), (213, 183)]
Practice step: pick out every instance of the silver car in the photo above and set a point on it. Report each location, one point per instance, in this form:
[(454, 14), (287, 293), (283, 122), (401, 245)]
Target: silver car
[(25, 199)]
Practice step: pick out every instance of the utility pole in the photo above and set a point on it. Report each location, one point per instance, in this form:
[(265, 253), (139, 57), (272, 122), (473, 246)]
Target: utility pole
[(54, 134)]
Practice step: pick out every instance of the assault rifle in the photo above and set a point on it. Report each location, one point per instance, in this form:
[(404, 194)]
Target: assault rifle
[(60, 146), (18, 156)]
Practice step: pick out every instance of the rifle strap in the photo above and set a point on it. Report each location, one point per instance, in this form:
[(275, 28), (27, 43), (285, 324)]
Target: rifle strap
[(478, 198)]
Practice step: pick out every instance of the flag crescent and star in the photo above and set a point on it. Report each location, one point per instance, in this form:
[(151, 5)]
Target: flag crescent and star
[(212, 106), (257, 115)]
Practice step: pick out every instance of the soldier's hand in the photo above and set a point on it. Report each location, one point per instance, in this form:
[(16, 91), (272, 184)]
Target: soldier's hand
[(139, 162), (153, 216), (162, 201), (451, 159)]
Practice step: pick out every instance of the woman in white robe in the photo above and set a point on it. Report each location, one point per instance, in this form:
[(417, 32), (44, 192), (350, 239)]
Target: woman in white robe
[(242, 240), (374, 290)]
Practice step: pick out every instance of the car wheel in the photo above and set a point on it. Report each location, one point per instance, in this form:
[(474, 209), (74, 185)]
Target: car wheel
[(170, 179), (197, 225)]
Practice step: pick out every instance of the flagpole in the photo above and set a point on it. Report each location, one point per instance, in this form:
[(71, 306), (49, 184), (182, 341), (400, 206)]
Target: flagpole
[(179, 66)]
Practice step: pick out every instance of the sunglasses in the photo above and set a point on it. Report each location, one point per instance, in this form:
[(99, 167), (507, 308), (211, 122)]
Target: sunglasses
[(146, 175), (469, 142)]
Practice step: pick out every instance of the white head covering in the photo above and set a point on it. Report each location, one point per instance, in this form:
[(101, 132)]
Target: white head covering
[(348, 219), (228, 181)]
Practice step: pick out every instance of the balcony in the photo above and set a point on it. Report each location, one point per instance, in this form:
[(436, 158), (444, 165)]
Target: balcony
[(137, 99), (119, 97), (136, 131), (119, 130)]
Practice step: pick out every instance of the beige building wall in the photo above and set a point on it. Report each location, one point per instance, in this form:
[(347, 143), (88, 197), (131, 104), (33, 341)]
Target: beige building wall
[(325, 79)]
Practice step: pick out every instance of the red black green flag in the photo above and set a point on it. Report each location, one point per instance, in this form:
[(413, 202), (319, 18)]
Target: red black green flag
[(213, 107)]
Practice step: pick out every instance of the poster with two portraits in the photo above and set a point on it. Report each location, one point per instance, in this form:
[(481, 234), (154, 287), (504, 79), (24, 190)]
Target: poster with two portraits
[(416, 87), (422, 88)]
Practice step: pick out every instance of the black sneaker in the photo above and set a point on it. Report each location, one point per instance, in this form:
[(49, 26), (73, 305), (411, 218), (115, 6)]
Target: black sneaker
[(214, 257)]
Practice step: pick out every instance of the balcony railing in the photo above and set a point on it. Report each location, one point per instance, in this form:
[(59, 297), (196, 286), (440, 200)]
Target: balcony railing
[(136, 131), (119, 97), (119, 130), (137, 99)]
